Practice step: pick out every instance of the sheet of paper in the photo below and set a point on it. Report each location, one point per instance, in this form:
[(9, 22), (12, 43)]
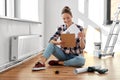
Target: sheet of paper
[(72, 29)]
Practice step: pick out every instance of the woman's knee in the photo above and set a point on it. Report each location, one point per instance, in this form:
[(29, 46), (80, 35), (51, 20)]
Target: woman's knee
[(81, 60), (51, 45)]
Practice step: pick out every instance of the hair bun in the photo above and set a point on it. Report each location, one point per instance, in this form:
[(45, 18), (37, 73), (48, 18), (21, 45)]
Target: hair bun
[(66, 8)]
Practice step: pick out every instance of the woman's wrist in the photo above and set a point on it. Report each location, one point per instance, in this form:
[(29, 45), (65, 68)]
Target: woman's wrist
[(54, 42), (57, 43), (81, 38)]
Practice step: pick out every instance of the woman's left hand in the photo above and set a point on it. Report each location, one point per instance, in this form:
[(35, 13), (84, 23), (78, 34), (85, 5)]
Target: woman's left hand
[(81, 35)]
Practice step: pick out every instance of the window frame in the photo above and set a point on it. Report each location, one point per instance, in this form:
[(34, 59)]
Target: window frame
[(12, 11), (107, 13)]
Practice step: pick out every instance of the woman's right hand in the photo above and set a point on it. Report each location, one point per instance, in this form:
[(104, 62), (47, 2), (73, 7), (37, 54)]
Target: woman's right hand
[(61, 43), (57, 42)]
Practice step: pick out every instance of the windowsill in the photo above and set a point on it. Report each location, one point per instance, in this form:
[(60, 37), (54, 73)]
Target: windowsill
[(20, 20)]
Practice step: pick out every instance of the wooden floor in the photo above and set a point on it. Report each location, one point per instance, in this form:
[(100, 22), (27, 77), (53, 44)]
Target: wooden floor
[(23, 71)]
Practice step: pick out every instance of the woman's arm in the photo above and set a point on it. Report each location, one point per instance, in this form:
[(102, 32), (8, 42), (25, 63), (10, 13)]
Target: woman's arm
[(54, 38), (82, 39), (82, 43), (55, 42)]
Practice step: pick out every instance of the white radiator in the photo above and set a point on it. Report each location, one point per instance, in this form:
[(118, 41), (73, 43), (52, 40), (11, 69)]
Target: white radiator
[(25, 46)]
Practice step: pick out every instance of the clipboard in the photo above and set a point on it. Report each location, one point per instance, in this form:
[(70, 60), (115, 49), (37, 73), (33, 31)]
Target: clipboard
[(69, 40)]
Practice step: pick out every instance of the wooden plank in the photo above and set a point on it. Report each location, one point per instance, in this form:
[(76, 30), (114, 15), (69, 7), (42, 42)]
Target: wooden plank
[(23, 71)]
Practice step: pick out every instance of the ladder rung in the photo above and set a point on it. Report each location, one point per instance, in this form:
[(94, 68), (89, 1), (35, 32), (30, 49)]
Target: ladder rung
[(109, 46), (113, 34), (117, 22)]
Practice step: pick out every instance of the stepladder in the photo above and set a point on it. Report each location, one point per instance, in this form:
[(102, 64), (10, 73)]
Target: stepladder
[(112, 36)]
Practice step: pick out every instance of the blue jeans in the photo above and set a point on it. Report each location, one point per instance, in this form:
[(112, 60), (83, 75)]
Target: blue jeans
[(69, 59)]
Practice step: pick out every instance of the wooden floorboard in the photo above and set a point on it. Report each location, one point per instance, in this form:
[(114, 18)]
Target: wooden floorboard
[(23, 71)]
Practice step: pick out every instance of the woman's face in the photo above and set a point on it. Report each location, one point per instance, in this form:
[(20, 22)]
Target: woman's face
[(67, 18)]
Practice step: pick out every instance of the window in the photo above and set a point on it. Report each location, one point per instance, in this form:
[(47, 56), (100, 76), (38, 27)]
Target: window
[(110, 8), (81, 6), (28, 9), (9, 8), (23, 9), (2, 7), (114, 7)]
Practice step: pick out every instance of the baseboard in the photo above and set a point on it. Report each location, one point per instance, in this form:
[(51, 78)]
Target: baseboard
[(13, 64)]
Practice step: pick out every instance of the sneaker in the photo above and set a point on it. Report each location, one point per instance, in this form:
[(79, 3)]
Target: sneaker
[(38, 66), (54, 63)]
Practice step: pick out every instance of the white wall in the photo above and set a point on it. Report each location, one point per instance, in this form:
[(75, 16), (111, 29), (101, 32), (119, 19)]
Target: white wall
[(53, 18), (10, 28), (96, 17)]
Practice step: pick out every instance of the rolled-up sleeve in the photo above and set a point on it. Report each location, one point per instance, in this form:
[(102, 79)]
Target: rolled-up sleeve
[(56, 34)]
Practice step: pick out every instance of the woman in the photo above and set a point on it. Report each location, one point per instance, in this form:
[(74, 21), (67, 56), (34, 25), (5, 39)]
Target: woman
[(65, 56)]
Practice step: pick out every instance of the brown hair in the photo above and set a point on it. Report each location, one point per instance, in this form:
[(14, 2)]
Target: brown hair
[(66, 9)]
